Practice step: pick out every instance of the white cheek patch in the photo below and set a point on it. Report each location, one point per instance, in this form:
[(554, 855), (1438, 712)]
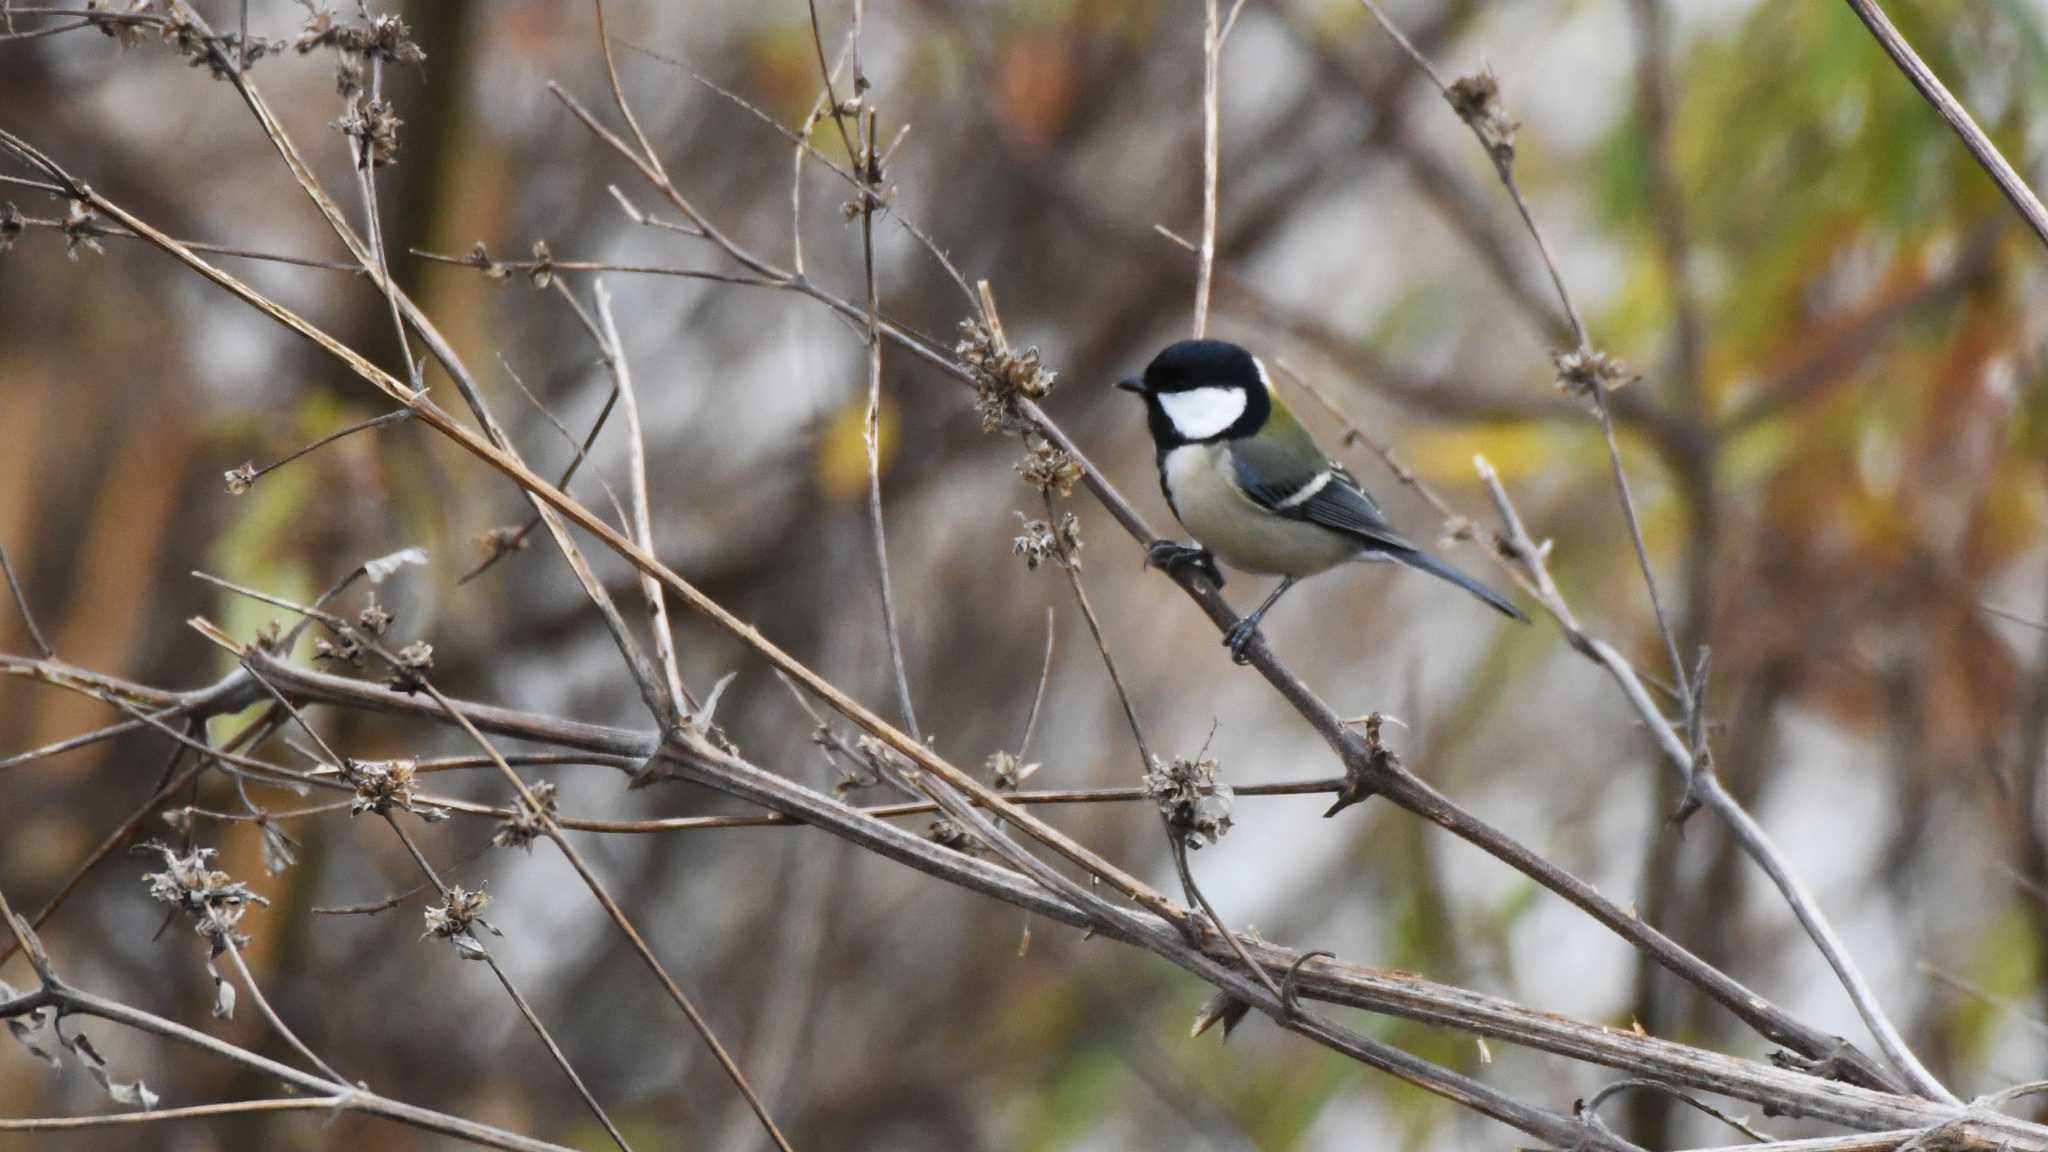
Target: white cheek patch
[(1200, 413)]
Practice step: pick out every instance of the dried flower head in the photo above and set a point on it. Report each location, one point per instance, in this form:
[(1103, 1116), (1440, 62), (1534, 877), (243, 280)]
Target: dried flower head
[(1002, 376), (382, 785), (240, 479), (947, 833), (1581, 370), (1049, 469), (374, 618), (495, 542), (345, 648), (222, 54), (412, 663), (525, 825), (542, 274), (12, 225), (1041, 541), (372, 123), (1476, 99), (126, 33), (213, 899), (1196, 806), (383, 37), (81, 230), (456, 918), (1007, 772)]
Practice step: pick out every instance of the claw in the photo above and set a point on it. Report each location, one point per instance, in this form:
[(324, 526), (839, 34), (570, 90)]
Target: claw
[(1238, 638), (1171, 557)]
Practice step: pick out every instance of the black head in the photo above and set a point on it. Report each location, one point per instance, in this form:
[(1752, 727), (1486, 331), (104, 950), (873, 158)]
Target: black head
[(1198, 391)]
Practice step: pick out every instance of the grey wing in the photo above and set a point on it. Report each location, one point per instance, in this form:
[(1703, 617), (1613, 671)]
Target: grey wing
[(1318, 491)]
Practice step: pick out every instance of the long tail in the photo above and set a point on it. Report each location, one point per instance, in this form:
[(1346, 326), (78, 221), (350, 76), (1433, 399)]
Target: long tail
[(1438, 568)]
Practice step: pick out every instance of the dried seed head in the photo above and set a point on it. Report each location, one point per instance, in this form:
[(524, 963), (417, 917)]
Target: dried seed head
[(948, 834), (214, 900), (240, 479), (345, 648), (123, 32), (372, 123), (81, 229), (1581, 370), (525, 826), (1196, 806), (1002, 376), (1476, 99), (382, 785), (1041, 541), (1049, 469), (383, 37), (502, 539), (1007, 772), (542, 273), (374, 618), (1459, 530), (456, 919), (408, 671)]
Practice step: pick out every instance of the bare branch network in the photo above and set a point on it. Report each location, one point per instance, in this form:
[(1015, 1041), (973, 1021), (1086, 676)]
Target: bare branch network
[(988, 833)]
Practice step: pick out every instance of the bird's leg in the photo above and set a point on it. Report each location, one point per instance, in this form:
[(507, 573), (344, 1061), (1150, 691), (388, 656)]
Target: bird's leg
[(1170, 558), (1239, 636)]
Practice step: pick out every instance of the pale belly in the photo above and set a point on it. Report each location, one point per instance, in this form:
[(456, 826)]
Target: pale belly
[(1241, 535)]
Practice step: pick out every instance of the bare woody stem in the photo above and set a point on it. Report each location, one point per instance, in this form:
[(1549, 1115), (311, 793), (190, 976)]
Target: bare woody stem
[(1951, 110)]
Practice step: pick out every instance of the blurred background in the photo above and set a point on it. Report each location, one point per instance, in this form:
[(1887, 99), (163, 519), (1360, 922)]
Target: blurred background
[(1836, 447)]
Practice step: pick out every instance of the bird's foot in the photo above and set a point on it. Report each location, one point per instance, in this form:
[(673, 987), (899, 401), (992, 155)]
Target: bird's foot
[(1170, 557), (1238, 638)]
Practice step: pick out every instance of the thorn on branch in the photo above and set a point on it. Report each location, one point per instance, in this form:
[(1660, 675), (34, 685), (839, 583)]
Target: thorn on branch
[(1222, 1008), (1360, 775), (1700, 770)]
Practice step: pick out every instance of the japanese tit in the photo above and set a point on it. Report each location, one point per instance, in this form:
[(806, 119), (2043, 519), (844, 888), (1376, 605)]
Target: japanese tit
[(1246, 479)]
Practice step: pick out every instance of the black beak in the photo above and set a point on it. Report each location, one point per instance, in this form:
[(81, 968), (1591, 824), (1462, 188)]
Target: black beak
[(1132, 384)]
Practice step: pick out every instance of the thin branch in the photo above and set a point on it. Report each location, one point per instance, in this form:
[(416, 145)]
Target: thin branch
[(1205, 252), (519, 1001), (643, 524), (1706, 788), (226, 939), (1489, 126), (508, 545), (246, 475), (540, 813), (1937, 94), (871, 424), (343, 1097), (1038, 696), (28, 618)]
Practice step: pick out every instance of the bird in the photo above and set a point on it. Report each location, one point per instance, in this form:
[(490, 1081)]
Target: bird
[(1254, 489)]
